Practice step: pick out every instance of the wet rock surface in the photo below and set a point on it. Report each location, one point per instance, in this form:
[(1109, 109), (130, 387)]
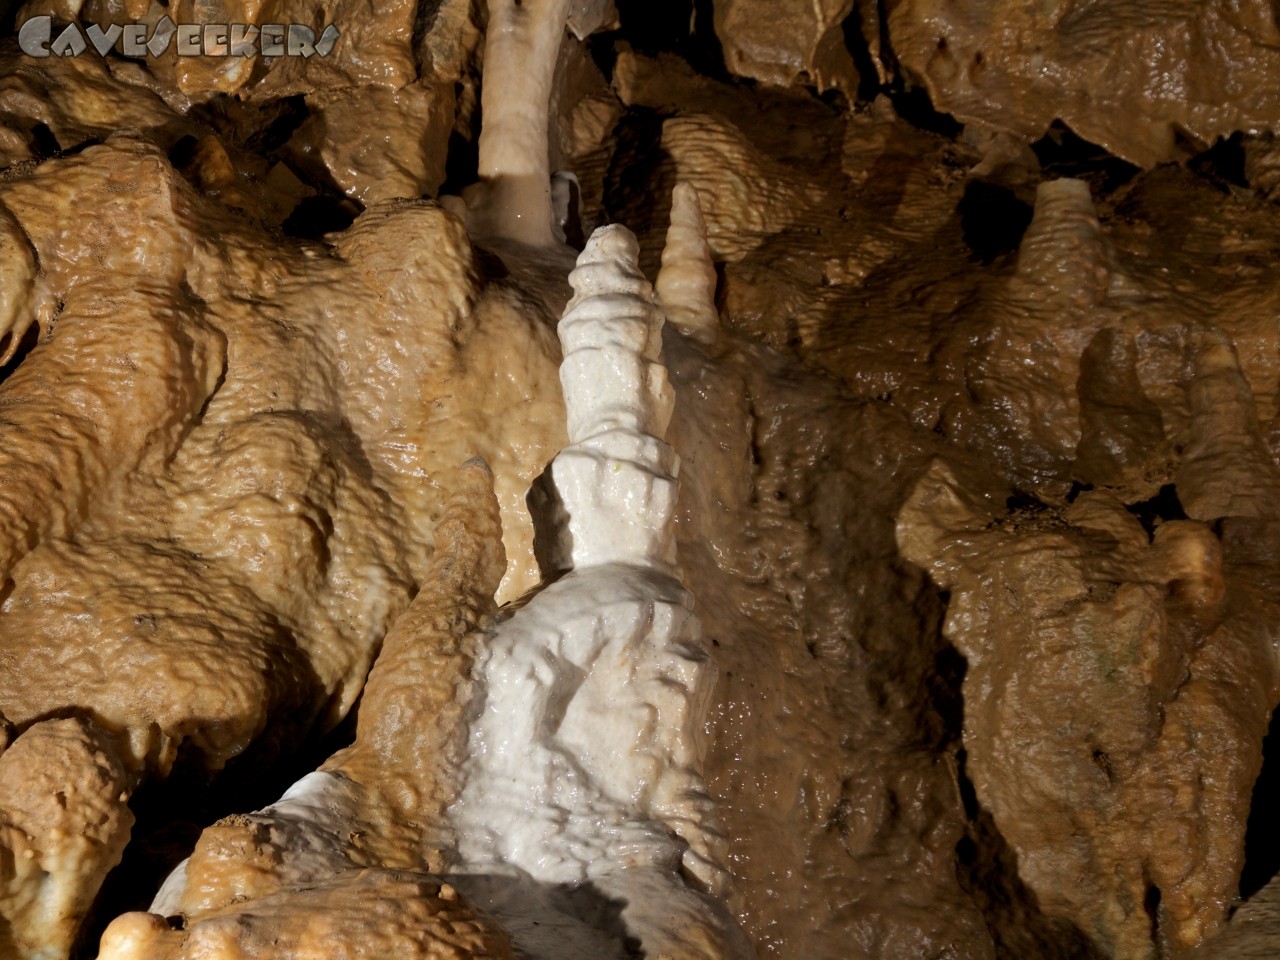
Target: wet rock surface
[(977, 424), (1134, 77)]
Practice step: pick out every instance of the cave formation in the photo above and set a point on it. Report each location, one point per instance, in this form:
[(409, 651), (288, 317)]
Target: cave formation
[(583, 480)]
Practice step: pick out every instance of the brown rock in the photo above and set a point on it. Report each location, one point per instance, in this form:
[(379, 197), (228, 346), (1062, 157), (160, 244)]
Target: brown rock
[(1253, 932), (255, 470), (64, 825), (1097, 727), (376, 143), (227, 456), (372, 912), (1129, 76), (788, 43)]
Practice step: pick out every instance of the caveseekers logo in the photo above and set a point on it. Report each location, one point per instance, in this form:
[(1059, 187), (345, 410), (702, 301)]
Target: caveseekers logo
[(36, 38)]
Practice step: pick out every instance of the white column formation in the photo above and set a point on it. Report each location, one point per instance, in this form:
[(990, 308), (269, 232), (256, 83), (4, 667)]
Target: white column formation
[(522, 43), (616, 480), (585, 760)]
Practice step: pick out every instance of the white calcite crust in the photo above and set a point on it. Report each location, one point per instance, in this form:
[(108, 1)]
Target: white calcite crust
[(586, 746), (584, 763)]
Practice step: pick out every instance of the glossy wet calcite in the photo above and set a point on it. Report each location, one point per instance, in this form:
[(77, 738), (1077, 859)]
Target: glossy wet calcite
[(976, 498)]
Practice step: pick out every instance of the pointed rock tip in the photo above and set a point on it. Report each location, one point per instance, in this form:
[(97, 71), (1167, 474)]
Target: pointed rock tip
[(685, 201)]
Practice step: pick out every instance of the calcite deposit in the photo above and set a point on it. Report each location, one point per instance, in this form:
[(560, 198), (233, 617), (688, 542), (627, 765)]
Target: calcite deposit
[(687, 480), (1141, 79), (802, 42), (356, 845), (560, 750)]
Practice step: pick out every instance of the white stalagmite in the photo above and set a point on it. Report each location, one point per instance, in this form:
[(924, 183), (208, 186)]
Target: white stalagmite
[(585, 767), (687, 281)]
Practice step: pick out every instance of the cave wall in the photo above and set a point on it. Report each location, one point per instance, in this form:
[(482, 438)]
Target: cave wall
[(978, 452)]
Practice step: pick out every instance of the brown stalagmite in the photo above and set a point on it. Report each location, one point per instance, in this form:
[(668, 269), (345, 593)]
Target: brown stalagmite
[(1097, 727), (64, 823), (1063, 252), (686, 284), (1226, 470)]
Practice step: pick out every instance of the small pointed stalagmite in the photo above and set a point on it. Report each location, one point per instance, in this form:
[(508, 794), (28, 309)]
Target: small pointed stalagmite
[(687, 282)]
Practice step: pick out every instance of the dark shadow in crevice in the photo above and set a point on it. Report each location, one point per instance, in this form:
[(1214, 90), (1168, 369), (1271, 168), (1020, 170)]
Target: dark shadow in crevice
[(462, 162), (490, 266), (170, 814), (1223, 164), (255, 127), (992, 219), (1156, 510), (30, 339), (1262, 834), (43, 143), (657, 26), (316, 216), (946, 685), (1024, 504), (286, 116), (9, 27), (1151, 906), (987, 868), (603, 48), (263, 133), (183, 151), (855, 42), (910, 101), (548, 920), (653, 27), (552, 539), (707, 54), (1064, 153), (1077, 488), (639, 182), (913, 105), (77, 148)]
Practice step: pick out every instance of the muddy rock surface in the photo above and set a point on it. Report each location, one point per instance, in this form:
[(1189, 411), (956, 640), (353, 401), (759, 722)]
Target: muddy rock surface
[(1131, 76), (972, 372)]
